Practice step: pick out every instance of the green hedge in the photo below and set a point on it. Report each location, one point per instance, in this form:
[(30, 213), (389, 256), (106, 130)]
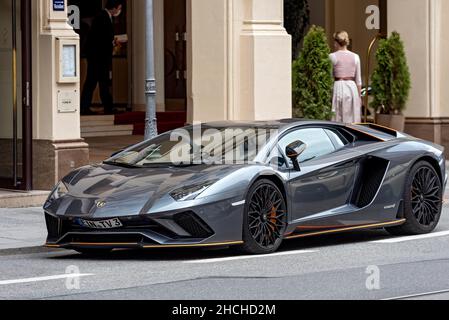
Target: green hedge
[(391, 79), (312, 78)]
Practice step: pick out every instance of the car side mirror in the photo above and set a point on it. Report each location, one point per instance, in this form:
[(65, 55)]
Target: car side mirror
[(293, 151)]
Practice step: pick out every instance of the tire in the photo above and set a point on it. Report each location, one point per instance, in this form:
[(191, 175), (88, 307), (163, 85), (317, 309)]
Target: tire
[(423, 201), (265, 218), (93, 252)]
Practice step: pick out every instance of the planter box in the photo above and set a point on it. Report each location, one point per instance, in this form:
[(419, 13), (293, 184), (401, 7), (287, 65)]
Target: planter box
[(396, 122)]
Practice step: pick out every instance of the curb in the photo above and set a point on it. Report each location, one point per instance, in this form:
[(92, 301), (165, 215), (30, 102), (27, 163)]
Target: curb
[(19, 200)]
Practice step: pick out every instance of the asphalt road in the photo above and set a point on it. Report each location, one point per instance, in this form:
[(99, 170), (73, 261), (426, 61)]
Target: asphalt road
[(359, 265)]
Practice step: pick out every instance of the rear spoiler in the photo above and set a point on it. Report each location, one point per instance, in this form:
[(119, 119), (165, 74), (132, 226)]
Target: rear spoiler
[(380, 128)]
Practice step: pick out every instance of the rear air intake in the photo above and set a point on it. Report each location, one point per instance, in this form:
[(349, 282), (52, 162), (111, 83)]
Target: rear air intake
[(193, 224)]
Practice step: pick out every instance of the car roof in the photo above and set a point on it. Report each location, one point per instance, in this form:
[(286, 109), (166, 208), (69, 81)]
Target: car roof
[(281, 125)]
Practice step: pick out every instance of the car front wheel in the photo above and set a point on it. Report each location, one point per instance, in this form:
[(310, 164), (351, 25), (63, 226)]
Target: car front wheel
[(265, 218)]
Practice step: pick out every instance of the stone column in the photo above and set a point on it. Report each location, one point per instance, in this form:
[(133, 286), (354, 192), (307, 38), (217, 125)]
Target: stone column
[(58, 147), (265, 62), (239, 57)]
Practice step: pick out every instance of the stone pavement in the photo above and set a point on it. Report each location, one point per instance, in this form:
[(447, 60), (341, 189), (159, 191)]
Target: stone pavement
[(22, 228)]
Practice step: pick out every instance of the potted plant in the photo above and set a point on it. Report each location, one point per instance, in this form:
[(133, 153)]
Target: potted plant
[(312, 78), (391, 83)]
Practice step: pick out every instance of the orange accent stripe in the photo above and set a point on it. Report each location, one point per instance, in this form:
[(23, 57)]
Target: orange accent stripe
[(52, 245), (99, 244), (375, 125), (368, 134), (368, 226), (194, 245)]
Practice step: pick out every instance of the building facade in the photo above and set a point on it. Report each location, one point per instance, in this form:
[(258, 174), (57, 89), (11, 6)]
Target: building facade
[(215, 60)]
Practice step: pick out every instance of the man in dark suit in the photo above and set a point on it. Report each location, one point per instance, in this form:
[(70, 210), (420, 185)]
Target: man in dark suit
[(100, 45)]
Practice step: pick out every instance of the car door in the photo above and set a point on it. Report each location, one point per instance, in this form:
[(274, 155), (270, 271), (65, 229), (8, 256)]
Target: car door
[(328, 170)]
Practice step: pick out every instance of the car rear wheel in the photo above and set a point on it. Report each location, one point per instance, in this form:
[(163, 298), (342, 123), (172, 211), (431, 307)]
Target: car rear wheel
[(423, 201), (265, 218)]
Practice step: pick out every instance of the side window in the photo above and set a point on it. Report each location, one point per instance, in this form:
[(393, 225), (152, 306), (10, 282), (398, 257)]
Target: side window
[(317, 141), (277, 159), (338, 140)]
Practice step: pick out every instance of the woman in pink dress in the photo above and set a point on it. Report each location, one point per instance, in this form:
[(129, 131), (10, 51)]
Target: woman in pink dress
[(347, 103)]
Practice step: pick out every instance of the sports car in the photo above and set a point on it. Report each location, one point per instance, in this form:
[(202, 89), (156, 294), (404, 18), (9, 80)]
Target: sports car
[(251, 185)]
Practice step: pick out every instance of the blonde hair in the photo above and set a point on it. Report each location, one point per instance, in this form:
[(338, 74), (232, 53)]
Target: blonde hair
[(342, 38)]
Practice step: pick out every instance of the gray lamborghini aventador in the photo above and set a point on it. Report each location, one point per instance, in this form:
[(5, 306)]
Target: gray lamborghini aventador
[(250, 185)]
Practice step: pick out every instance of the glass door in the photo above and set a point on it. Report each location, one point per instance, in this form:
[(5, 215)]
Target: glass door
[(15, 93)]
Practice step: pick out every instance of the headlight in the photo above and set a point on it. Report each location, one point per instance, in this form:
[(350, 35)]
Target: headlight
[(191, 192), (60, 191)]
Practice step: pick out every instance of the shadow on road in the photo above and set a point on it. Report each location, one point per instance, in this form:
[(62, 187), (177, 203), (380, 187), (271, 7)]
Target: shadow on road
[(162, 254)]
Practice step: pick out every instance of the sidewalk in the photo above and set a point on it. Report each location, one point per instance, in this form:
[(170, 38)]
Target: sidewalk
[(22, 228)]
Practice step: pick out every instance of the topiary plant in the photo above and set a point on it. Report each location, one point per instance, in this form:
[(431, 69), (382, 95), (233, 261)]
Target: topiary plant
[(296, 21), (391, 79), (312, 78)]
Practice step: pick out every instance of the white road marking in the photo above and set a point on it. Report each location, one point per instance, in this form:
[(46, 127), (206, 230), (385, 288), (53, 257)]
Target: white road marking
[(418, 295), (411, 238), (287, 253), (49, 278)]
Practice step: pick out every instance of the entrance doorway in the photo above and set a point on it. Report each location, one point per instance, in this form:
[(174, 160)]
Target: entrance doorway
[(175, 42), (15, 93), (120, 87)]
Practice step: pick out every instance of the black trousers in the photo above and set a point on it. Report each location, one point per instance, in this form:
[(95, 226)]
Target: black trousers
[(97, 73)]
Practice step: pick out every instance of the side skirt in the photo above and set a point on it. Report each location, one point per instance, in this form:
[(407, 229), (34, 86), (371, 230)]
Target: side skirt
[(339, 230)]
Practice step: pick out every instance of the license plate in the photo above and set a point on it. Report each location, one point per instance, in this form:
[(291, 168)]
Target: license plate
[(105, 224)]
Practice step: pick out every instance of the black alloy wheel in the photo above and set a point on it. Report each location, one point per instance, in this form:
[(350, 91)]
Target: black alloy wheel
[(426, 196), (423, 201), (265, 219)]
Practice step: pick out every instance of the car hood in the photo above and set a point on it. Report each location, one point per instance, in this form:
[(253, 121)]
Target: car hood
[(105, 190)]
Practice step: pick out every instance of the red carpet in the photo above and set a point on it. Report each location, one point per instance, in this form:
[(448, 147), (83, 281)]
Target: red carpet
[(166, 121)]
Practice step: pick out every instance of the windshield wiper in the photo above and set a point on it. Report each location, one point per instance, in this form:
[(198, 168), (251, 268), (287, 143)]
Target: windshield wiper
[(170, 165), (120, 164)]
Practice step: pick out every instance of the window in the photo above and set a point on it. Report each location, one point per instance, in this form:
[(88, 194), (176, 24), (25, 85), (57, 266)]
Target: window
[(317, 140), (232, 145), (338, 140)]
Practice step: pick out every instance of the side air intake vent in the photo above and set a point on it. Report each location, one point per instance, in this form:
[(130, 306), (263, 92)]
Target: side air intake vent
[(193, 224), (372, 172), (53, 226)]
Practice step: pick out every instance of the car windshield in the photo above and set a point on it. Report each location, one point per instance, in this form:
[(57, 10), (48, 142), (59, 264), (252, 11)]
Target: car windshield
[(197, 145)]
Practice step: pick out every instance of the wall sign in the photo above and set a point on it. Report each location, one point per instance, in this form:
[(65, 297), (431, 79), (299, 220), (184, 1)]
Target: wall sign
[(58, 5), (67, 101), (68, 63)]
